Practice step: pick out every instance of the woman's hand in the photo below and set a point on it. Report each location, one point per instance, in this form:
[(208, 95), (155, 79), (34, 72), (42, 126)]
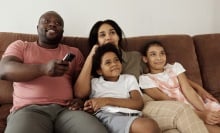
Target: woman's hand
[(92, 52), (75, 104)]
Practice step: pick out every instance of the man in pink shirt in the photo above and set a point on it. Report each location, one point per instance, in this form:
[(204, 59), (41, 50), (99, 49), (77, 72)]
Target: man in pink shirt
[(43, 83)]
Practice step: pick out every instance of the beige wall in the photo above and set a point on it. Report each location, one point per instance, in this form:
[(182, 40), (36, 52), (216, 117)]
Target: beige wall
[(136, 17)]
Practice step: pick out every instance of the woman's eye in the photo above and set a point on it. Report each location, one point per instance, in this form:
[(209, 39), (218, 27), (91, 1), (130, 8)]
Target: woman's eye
[(112, 32), (101, 35)]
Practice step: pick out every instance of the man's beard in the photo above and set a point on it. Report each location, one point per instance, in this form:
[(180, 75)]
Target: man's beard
[(52, 41)]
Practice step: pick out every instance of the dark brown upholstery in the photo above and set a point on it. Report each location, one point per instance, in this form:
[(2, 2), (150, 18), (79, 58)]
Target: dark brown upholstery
[(208, 51), (180, 48)]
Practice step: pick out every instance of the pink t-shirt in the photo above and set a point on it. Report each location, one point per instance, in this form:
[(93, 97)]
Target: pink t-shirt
[(44, 89)]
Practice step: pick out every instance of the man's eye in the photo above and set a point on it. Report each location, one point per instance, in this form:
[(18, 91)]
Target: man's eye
[(45, 21), (57, 23)]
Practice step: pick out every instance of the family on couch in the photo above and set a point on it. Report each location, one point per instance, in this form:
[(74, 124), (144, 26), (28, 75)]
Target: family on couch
[(42, 98)]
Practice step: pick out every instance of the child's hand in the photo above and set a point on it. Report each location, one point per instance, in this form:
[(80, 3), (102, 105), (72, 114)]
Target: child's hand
[(88, 107), (205, 95), (212, 117), (95, 104)]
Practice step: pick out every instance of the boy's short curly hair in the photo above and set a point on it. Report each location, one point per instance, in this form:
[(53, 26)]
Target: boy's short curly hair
[(97, 57)]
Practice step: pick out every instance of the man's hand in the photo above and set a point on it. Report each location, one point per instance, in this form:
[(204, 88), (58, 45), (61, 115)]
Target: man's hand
[(55, 67)]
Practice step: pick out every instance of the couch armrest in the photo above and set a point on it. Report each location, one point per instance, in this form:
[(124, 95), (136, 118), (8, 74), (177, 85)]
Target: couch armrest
[(4, 112)]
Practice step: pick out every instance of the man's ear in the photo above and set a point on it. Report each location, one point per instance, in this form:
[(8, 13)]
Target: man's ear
[(144, 58)]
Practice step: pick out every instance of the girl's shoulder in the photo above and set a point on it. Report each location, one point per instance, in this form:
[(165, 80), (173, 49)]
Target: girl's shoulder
[(176, 68), (173, 65)]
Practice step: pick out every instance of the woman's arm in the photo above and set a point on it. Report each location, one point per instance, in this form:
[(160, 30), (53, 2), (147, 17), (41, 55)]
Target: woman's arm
[(156, 94), (134, 102), (190, 93), (201, 91), (82, 86)]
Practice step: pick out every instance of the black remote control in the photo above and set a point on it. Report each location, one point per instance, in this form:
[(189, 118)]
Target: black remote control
[(68, 57)]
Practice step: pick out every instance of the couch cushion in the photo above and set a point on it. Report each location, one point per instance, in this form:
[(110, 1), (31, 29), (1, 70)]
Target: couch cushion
[(179, 48), (208, 51), (4, 111), (6, 38), (5, 92)]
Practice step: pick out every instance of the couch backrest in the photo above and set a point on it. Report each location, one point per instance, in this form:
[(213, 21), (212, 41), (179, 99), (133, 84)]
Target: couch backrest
[(179, 48), (208, 51)]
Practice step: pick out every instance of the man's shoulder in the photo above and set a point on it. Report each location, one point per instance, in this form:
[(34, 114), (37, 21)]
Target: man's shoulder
[(65, 46), (20, 43)]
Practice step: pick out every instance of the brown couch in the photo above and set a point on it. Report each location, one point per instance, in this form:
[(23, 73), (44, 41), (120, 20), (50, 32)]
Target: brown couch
[(199, 54)]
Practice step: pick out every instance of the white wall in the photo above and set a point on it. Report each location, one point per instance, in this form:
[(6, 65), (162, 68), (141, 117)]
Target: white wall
[(217, 16), (136, 17)]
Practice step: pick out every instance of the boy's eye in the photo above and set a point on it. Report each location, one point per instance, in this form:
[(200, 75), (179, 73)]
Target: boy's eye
[(108, 62), (116, 59)]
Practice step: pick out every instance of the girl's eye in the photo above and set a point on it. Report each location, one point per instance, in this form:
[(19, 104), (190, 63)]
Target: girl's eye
[(163, 53), (152, 54)]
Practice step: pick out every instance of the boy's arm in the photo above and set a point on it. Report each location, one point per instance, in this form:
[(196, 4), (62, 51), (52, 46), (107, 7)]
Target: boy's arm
[(201, 91), (156, 94), (134, 102)]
